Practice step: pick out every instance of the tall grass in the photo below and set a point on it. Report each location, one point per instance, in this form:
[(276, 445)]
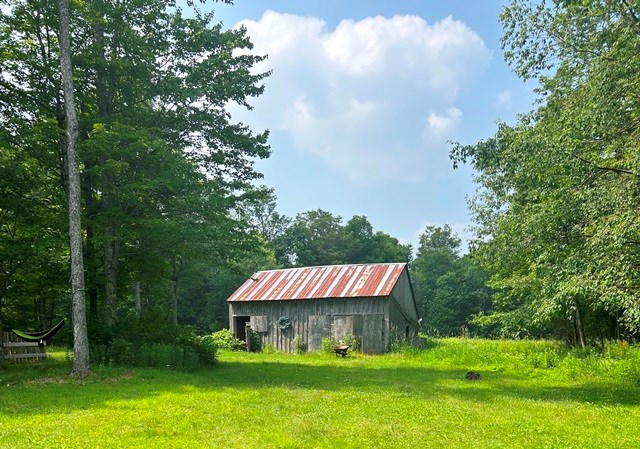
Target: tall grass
[(617, 361)]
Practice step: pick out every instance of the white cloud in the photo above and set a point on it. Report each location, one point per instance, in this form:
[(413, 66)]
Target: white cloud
[(373, 98), (503, 101), (442, 124)]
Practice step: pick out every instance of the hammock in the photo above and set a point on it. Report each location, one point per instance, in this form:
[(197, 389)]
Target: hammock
[(40, 336)]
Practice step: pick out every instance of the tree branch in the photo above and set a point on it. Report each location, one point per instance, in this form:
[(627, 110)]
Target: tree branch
[(600, 167)]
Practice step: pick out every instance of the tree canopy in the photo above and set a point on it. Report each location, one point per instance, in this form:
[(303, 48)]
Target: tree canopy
[(164, 167), (557, 207)]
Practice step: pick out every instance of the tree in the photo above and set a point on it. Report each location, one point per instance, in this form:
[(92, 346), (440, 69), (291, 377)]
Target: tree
[(359, 240), (319, 238), (450, 289), (557, 206), (158, 148), (436, 256), (79, 318), (314, 238)]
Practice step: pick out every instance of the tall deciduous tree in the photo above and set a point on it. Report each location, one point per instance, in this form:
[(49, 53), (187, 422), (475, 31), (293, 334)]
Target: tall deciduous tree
[(318, 237), (159, 150), (79, 318), (558, 203), (450, 289)]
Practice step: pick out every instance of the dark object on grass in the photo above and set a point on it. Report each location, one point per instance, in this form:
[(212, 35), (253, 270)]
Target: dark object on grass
[(473, 375), (40, 336), (341, 350)]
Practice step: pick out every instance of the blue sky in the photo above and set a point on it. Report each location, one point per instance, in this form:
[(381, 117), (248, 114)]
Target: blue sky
[(364, 97)]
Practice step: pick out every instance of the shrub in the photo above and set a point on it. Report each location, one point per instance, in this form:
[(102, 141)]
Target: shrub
[(206, 349), (256, 341), (120, 352), (327, 345), (299, 345), (352, 341), (224, 339), (149, 340), (404, 347)]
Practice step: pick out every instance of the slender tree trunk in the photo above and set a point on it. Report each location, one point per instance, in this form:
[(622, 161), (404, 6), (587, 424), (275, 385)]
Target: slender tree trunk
[(579, 327), (111, 250), (174, 292), (1, 346), (92, 272), (137, 305), (90, 247), (105, 110), (79, 318), (176, 268)]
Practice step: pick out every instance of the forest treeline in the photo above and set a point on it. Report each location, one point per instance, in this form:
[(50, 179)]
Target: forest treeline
[(174, 218)]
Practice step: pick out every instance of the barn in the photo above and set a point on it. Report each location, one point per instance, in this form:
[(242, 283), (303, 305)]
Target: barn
[(372, 302)]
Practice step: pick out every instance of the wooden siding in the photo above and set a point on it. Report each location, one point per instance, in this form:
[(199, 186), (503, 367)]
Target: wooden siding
[(300, 313), (402, 295)]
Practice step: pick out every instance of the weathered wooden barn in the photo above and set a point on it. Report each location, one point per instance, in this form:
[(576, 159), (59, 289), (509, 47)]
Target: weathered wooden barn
[(373, 302)]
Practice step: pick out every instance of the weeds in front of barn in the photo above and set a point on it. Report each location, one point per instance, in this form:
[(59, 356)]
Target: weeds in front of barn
[(530, 394)]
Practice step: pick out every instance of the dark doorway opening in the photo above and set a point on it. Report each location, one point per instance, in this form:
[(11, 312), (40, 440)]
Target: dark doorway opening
[(240, 326)]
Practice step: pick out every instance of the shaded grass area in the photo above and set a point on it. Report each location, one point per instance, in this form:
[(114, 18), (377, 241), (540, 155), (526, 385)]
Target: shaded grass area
[(411, 399)]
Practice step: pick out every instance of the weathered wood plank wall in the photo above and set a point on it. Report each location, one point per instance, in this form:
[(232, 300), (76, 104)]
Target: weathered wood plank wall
[(307, 319)]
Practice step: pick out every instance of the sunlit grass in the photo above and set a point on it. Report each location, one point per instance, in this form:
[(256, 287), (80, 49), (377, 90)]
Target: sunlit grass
[(410, 399)]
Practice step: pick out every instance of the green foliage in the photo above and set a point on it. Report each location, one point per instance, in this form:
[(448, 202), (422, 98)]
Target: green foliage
[(354, 342), (150, 340), (165, 169), (224, 339), (557, 207), (299, 345), (319, 238), (450, 289), (327, 345), (255, 341)]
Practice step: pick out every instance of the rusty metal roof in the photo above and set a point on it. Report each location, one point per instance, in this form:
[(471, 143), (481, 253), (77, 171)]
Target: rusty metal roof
[(334, 281)]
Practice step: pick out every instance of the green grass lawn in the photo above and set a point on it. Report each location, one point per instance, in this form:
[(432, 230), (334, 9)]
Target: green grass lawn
[(528, 396)]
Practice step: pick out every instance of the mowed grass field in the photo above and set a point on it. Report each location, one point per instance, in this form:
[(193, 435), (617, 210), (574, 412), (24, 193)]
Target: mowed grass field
[(530, 395)]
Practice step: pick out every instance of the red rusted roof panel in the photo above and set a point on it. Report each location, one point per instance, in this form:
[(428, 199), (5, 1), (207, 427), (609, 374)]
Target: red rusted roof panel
[(335, 281)]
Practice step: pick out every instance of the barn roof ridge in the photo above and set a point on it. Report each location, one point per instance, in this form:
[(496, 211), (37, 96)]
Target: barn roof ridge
[(333, 265), (322, 281)]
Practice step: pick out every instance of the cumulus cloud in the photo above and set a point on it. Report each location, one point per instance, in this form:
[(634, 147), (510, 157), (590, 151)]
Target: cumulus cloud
[(375, 98)]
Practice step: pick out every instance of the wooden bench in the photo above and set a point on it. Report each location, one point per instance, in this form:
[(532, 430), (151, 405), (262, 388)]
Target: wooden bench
[(18, 350)]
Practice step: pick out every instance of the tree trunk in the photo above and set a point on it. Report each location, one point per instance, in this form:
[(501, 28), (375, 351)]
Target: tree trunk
[(111, 244), (111, 250), (79, 318), (174, 292), (90, 247), (176, 268), (579, 327), (137, 305)]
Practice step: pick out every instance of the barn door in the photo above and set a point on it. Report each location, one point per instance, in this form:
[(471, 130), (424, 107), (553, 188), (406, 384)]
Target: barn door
[(342, 326), (373, 334), (319, 328)]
